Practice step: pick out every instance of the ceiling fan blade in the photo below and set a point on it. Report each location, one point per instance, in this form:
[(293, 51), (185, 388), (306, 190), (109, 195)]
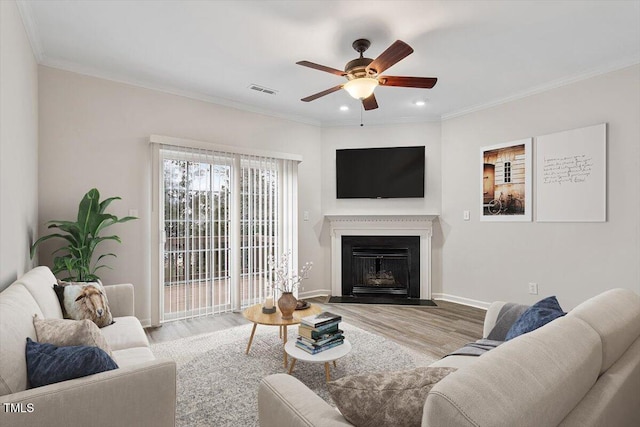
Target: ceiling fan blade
[(370, 103), (320, 94), (419, 82), (321, 68), (394, 53)]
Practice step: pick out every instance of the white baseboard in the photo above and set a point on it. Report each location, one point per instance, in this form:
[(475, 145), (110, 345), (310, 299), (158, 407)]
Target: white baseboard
[(314, 293), (461, 300)]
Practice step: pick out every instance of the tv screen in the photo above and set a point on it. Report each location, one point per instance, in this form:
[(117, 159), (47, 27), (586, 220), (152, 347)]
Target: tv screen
[(379, 173)]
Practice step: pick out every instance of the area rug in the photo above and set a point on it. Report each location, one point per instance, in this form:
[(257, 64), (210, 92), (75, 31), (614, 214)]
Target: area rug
[(382, 300), (217, 383)]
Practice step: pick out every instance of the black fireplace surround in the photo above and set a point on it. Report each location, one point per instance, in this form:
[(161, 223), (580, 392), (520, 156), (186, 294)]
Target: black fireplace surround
[(381, 266)]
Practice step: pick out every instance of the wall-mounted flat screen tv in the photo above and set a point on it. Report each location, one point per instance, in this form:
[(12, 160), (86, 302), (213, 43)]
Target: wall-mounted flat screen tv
[(380, 173)]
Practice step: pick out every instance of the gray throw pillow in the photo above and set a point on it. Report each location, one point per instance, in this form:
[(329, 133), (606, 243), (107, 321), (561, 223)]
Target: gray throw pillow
[(65, 333), (385, 398), (508, 315)]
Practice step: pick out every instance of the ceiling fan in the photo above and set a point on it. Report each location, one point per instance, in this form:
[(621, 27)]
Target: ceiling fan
[(364, 73)]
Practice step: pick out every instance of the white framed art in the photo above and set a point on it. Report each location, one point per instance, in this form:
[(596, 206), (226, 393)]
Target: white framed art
[(571, 175), (506, 181)]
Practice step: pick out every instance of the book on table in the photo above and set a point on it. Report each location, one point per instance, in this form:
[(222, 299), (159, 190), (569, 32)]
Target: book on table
[(315, 333), (314, 349), (318, 320), (322, 339)]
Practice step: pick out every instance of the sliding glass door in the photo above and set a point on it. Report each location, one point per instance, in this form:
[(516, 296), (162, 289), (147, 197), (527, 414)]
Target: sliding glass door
[(222, 219)]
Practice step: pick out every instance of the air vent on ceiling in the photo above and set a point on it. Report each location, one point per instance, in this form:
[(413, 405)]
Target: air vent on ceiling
[(262, 89)]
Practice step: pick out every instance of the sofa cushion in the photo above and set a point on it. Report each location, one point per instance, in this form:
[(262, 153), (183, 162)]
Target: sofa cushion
[(67, 332), (85, 300), (133, 356), (615, 315), (385, 398), (126, 332), (17, 308), (39, 282), (531, 381), (49, 364), (539, 314)]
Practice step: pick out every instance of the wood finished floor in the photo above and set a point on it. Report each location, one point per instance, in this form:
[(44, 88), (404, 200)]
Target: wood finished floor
[(435, 331)]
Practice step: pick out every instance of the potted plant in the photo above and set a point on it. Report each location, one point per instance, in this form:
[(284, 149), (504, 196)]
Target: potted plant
[(83, 236)]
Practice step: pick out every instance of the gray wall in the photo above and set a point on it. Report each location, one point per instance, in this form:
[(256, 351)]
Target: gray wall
[(18, 145), (485, 261)]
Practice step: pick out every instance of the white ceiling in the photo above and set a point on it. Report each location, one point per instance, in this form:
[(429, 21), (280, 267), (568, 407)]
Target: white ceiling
[(483, 52)]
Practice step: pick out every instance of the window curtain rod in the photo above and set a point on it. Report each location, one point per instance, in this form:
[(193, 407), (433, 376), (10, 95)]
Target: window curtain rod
[(207, 146)]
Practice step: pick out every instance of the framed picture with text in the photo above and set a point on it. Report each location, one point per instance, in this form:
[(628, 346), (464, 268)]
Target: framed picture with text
[(571, 175)]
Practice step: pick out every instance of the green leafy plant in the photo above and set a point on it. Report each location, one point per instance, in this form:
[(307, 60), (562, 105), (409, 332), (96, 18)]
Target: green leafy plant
[(83, 236)]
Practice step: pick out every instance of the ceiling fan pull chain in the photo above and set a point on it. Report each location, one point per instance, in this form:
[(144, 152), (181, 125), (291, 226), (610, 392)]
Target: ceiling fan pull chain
[(361, 110)]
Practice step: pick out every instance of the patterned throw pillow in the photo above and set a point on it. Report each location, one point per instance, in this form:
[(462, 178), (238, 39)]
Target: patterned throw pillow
[(385, 398), (536, 316), (84, 300), (49, 364), (66, 332)]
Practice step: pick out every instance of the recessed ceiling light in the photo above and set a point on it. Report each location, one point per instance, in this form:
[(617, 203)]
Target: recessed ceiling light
[(420, 103), (344, 108)]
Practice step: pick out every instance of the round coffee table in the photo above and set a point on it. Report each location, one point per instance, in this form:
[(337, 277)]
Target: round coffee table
[(255, 314), (325, 357)]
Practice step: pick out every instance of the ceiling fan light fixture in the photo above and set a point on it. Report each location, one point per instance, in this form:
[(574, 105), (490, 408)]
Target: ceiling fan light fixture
[(361, 88)]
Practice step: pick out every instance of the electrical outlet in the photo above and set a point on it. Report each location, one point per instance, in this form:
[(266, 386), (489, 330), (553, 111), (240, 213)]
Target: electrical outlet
[(533, 288), (466, 215), (305, 215)]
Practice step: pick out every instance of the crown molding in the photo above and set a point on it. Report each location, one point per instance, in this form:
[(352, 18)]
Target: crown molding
[(619, 65), (29, 22), (93, 72)]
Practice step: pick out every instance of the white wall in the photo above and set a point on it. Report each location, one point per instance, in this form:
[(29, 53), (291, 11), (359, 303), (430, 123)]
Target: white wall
[(485, 261), (95, 134), (18, 145), (408, 134)]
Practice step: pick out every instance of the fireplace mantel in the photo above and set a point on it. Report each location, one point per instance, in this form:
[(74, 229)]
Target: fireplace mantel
[(381, 225)]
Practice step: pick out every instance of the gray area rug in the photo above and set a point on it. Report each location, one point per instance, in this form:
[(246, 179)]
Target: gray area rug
[(218, 383)]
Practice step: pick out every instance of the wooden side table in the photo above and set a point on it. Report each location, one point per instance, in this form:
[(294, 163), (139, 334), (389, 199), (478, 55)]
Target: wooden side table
[(255, 315)]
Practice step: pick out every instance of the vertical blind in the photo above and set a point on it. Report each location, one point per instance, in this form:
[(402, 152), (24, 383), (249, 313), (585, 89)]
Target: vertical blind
[(222, 216)]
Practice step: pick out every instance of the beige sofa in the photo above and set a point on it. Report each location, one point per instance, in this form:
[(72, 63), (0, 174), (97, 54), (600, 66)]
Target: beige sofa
[(141, 392), (580, 370)]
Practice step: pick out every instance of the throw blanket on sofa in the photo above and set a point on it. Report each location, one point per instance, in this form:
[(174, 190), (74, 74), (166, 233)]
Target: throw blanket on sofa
[(509, 313), (476, 348)]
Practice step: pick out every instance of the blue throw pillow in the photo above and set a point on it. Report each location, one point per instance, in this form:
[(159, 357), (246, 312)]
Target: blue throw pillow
[(48, 364), (539, 314)]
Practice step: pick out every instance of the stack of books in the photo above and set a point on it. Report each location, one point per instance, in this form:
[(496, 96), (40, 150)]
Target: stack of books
[(319, 332)]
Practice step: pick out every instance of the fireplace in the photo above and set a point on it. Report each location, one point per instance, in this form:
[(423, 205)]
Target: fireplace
[(387, 266), (383, 226)]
